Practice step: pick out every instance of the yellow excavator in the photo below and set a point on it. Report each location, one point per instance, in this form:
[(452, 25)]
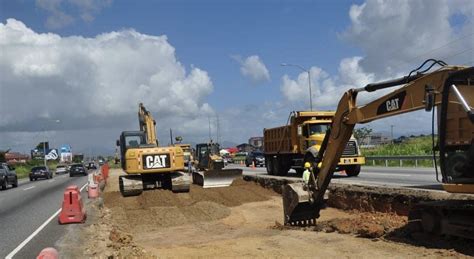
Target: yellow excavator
[(209, 169), (451, 90), (147, 165)]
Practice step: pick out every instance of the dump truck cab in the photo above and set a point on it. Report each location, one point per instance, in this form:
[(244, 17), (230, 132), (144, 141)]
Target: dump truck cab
[(312, 133), (290, 146)]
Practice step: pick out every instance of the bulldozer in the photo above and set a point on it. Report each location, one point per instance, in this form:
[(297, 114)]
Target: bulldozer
[(450, 89), (209, 169), (148, 165)]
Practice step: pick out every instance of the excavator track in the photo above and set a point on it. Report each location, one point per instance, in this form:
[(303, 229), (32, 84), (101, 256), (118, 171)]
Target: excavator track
[(133, 185), (130, 185)]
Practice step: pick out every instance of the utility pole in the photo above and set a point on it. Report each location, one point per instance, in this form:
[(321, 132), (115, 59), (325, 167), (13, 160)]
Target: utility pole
[(44, 154), (171, 136), (309, 81), (209, 119), (217, 131)]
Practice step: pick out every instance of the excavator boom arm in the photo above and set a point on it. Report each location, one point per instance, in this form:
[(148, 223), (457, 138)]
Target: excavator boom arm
[(303, 203), (410, 97), (147, 124)]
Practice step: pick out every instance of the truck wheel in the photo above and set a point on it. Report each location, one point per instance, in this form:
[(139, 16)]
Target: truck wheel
[(352, 170), (283, 170), (276, 166), (5, 183), (269, 165)]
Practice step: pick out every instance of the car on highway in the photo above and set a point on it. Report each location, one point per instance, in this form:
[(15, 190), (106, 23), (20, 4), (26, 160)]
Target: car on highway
[(228, 159), (76, 169), (91, 165), (38, 172), (62, 169), (255, 157), (8, 176)]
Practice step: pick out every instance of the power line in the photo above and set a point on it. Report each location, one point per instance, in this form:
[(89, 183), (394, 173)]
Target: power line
[(459, 53), (432, 50)]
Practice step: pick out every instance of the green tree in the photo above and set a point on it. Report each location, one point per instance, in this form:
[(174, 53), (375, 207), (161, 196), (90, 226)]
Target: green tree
[(361, 134)]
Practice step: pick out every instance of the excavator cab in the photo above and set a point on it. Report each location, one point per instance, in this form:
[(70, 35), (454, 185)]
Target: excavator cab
[(209, 172), (130, 139), (208, 156)]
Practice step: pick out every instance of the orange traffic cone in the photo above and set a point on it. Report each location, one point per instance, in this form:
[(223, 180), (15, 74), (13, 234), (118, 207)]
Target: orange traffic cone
[(92, 191), (253, 165)]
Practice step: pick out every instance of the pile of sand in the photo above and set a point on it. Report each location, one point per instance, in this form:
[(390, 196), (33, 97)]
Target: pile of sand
[(369, 225), (162, 208)]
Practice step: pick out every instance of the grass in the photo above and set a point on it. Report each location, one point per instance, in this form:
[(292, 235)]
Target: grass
[(413, 146)]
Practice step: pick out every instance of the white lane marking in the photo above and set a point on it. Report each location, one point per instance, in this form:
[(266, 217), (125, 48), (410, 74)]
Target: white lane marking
[(30, 237), (29, 188), (52, 180)]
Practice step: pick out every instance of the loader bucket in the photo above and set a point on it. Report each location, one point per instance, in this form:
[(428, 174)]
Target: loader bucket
[(216, 178), (298, 208)]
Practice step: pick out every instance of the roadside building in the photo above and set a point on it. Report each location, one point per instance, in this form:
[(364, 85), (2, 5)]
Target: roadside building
[(245, 147), (376, 139), (257, 142), (15, 157)]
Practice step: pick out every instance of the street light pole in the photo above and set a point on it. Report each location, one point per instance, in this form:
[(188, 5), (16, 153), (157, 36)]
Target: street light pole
[(309, 81)]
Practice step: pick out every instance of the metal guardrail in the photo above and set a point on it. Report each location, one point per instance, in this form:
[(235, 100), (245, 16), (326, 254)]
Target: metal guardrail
[(399, 158)]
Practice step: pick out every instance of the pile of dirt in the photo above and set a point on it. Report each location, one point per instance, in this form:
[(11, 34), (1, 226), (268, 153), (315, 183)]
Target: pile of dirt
[(368, 225), (162, 208), (361, 224)]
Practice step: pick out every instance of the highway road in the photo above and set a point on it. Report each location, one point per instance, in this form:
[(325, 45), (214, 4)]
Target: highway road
[(26, 209), (424, 178)]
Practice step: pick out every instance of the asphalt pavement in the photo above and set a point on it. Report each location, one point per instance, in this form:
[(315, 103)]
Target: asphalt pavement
[(25, 209), (423, 178)]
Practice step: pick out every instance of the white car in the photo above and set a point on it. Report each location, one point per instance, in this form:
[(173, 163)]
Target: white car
[(61, 169)]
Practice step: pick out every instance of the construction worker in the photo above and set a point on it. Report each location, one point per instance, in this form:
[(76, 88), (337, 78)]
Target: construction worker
[(307, 172)]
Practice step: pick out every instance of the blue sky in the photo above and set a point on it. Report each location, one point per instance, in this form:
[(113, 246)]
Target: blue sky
[(106, 56), (207, 33)]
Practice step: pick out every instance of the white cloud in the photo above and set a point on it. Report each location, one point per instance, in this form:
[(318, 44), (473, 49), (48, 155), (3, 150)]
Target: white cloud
[(326, 89), (94, 82), (59, 18), (395, 37), (253, 68), (89, 8), (398, 35)]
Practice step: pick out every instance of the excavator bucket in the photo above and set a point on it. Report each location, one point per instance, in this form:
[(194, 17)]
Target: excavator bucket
[(298, 207), (216, 178)]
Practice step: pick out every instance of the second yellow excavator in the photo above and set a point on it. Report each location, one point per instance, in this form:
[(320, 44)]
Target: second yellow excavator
[(449, 88)]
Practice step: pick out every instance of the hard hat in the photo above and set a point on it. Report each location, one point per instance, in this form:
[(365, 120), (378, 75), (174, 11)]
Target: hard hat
[(307, 165)]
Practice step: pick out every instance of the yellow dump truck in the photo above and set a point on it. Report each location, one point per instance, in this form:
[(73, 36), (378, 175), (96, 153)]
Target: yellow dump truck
[(289, 147)]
